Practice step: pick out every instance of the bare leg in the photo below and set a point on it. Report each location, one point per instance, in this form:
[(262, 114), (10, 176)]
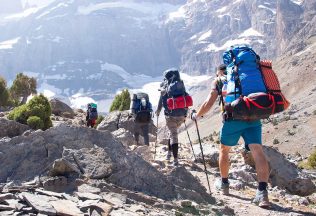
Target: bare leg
[(224, 160), (261, 162)]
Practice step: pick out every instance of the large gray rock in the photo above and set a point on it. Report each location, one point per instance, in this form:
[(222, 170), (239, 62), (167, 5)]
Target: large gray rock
[(24, 158), (11, 128), (93, 163), (125, 137), (286, 174), (61, 109), (122, 119)]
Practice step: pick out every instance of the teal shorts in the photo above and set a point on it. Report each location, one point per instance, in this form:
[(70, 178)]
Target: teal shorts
[(250, 131)]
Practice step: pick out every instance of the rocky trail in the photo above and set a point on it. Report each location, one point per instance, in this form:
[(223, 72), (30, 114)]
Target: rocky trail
[(73, 170)]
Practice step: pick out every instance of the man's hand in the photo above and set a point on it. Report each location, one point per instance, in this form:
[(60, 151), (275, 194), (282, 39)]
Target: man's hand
[(193, 115)]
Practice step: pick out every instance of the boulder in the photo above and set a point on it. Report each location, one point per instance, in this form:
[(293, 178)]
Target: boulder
[(11, 128), (61, 109), (211, 154), (93, 163), (125, 137), (24, 158), (286, 175), (122, 119)]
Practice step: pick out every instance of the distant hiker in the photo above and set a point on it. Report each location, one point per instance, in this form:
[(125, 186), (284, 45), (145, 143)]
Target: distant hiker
[(175, 101), (244, 78), (141, 108), (92, 115)]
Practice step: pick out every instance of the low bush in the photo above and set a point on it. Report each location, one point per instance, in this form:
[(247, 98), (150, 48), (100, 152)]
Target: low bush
[(99, 120), (35, 122), (37, 106)]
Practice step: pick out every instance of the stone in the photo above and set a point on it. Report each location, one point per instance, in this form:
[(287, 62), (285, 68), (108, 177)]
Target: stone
[(6, 207), (243, 174), (59, 108), (59, 184), (122, 119), (62, 167), (11, 128), (211, 154), (286, 175), (94, 162), (123, 212), (66, 208), (40, 203), (101, 208), (90, 150), (144, 152), (49, 193), (88, 196), (125, 137), (85, 188), (6, 196), (116, 200)]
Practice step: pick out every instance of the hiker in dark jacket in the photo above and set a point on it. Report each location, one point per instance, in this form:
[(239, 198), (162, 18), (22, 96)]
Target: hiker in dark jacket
[(174, 118), (141, 109)]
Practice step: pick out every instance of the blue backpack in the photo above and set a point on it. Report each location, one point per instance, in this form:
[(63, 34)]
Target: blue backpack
[(141, 107), (243, 72)]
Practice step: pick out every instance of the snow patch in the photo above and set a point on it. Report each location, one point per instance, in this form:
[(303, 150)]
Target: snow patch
[(48, 90), (8, 44), (267, 8), (179, 14), (212, 47), (31, 74), (222, 10), (52, 9), (205, 35), (37, 3), (155, 9), (251, 32), (24, 14), (298, 2), (80, 101), (116, 69)]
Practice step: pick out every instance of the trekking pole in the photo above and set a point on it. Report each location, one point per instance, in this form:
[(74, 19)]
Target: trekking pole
[(156, 137), (198, 133), (189, 140)]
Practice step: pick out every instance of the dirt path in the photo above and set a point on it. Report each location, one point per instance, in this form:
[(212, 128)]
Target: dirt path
[(240, 201)]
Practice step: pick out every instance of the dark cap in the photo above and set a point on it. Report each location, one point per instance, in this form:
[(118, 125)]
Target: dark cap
[(221, 67)]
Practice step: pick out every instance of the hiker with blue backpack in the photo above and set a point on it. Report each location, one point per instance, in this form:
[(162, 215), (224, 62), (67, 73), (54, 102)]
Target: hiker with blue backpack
[(141, 108), (253, 93), (175, 101)]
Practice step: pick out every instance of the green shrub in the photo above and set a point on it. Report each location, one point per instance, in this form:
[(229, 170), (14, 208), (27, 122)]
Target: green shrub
[(4, 93), (35, 122), (121, 101), (312, 160), (37, 106), (310, 163), (99, 120)]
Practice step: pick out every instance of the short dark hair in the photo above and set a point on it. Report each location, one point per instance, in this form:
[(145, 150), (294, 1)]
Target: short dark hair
[(221, 67)]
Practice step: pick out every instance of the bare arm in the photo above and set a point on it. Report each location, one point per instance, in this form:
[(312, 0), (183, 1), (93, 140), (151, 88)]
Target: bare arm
[(208, 103)]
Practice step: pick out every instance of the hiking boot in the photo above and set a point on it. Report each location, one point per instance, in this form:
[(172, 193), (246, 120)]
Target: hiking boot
[(261, 199), (175, 162), (223, 187), (168, 156)]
